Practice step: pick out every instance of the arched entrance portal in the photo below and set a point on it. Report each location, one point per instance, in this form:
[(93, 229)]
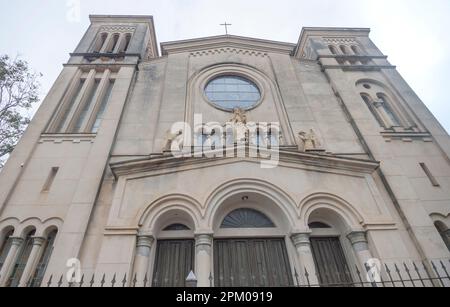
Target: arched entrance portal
[(250, 247)]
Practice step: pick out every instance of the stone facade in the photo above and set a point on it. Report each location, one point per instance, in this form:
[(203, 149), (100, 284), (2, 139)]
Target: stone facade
[(380, 179)]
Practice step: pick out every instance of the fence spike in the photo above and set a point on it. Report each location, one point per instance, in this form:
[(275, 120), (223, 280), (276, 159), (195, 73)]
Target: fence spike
[(113, 282), (437, 273), (400, 275), (60, 282), (92, 280), (135, 280), (445, 270), (388, 271), (308, 282), (359, 276), (418, 274), (211, 279), (82, 281), (145, 280), (124, 281), (409, 274), (102, 282), (49, 283), (296, 277)]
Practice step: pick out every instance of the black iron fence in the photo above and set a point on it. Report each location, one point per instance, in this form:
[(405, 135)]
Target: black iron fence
[(406, 274)]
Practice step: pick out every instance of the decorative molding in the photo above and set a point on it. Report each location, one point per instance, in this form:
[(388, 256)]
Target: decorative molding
[(340, 40), (407, 137), (237, 51), (226, 41), (118, 29), (72, 138)]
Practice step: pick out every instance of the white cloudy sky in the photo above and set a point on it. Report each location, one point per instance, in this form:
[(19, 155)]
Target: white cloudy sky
[(413, 33)]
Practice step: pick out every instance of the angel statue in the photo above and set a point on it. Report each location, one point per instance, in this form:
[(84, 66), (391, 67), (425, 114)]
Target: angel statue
[(308, 141), (172, 138)]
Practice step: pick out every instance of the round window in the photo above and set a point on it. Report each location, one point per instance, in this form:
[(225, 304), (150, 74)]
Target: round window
[(231, 92)]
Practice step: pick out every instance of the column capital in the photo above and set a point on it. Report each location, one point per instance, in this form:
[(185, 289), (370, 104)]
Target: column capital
[(145, 241), (204, 239), (39, 241), (357, 237), (17, 241), (301, 238)]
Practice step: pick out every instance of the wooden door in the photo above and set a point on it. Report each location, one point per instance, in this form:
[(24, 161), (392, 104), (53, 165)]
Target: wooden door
[(251, 263), (174, 261), (331, 265)]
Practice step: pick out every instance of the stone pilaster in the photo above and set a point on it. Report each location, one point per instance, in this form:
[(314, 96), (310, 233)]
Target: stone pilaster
[(203, 260), (142, 260), (302, 244), (360, 245)]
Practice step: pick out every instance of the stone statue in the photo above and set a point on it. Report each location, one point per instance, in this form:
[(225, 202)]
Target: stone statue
[(173, 137), (239, 123), (308, 141), (239, 116)]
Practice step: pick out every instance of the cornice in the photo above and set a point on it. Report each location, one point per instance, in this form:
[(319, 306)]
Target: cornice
[(226, 41), (319, 160)]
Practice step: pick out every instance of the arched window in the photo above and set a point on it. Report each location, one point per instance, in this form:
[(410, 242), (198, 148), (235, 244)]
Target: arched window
[(394, 121), (343, 49), (100, 42), (127, 42), (5, 247), (177, 227), (333, 49), (45, 258), (247, 218), (319, 225), (114, 42), (22, 260), (355, 50), (444, 232)]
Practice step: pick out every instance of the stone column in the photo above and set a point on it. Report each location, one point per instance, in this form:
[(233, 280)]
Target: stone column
[(142, 259), (32, 262), (10, 260), (358, 239), (303, 246), (203, 252)]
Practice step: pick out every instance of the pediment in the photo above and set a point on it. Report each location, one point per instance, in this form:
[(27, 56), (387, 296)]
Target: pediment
[(287, 158), (227, 42)]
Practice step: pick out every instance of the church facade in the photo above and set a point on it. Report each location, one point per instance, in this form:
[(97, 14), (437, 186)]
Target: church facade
[(247, 162)]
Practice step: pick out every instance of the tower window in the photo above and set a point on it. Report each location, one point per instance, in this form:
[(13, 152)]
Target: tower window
[(100, 42), (102, 109), (430, 176), (114, 42), (50, 179)]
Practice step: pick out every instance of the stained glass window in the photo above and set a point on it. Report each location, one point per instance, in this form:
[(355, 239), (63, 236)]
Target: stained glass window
[(247, 218), (230, 92)]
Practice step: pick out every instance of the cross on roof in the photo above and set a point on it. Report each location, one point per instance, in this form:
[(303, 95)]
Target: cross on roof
[(226, 26)]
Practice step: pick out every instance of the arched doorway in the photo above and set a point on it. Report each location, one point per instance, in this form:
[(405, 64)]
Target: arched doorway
[(330, 248), (250, 246), (175, 249)]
